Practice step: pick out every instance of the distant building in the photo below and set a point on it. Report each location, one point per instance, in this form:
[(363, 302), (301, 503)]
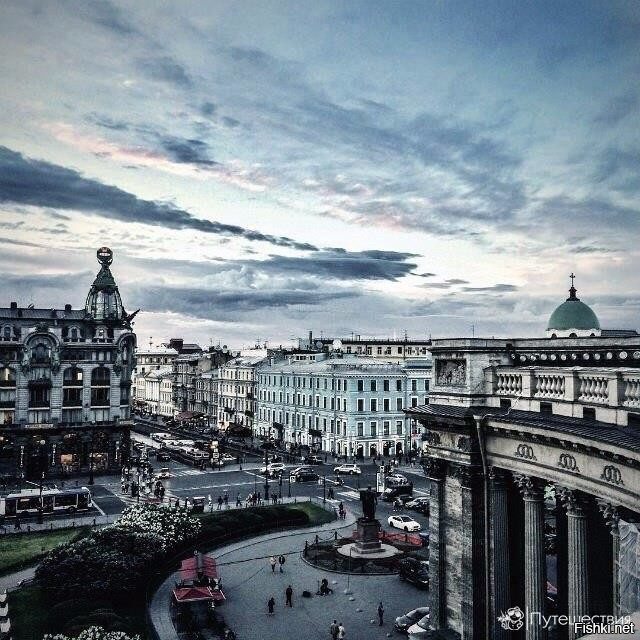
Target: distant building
[(344, 403), (65, 383)]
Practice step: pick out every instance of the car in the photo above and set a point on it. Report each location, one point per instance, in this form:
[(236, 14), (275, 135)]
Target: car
[(405, 523), (403, 491), (304, 474), (273, 469), (163, 456), (422, 629), (414, 571), (164, 472), (228, 458), (419, 504), (315, 460), (396, 477), (347, 469), (402, 623)]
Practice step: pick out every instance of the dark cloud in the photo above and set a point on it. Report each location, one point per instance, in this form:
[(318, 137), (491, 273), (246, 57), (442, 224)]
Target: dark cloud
[(208, 109), (618, 108), (165, 69), (214, 303), (456, 281), (187, 151), (424, 275), (107, 15), (35, 182), (106, 122)]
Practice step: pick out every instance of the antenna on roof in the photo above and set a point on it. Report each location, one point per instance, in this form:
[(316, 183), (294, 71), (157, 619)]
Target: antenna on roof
[(150, 342)]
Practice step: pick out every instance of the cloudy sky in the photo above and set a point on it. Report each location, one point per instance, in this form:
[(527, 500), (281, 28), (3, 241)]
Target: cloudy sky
[(265, 168)]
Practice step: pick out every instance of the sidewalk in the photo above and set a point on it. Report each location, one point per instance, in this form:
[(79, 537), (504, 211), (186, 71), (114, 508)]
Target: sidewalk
[(265, 545)]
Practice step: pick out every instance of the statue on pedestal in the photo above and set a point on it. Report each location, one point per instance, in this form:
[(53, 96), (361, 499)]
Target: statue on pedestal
[(369, 499)]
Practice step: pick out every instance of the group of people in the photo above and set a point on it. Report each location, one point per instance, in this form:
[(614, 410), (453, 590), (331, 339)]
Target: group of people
[(281, 560), (288, 600)]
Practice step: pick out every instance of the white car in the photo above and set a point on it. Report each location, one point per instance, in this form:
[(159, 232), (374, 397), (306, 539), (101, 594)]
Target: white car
[(404, 522), (273, 469), (164, 472), (421, 630), (227, 457), (347, 469)]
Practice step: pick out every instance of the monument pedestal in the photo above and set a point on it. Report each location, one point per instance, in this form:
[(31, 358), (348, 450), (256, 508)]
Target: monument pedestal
[(368, 541)]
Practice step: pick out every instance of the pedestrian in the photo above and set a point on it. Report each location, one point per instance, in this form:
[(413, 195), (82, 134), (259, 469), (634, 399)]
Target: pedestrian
[(219, 503), (226, 500), (271, 604), (342, 633), (333, 630), (381, 614), (238, 501), (259, 498), (281, 561), (210, 502), (272, 562), (289, 595)]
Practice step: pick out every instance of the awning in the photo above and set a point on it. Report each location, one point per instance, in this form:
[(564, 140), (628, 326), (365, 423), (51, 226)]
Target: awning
[(197, 594), (200, 564), (188, 415)]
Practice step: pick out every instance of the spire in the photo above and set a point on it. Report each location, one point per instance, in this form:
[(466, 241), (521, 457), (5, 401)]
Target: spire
[(572, 290)]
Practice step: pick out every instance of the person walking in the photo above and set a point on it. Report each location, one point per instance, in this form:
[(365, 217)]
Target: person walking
[(219, 503), (238, 500), (272, 562), (381, 614), (271, 604), (333, 630), (281, 561), (342, 633), (289, 595)]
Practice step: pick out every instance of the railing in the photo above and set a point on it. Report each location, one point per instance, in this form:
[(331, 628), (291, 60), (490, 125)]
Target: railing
[(589, 385)]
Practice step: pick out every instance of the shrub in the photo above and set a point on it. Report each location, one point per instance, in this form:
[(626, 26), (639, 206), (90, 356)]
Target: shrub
[(93, 633), (59, 614), (108, 619)]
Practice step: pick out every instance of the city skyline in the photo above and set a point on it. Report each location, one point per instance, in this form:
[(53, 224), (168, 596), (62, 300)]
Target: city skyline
[(263, 170)]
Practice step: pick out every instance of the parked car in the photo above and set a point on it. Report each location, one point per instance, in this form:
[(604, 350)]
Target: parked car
[(406, 523), (304, 474), (315, 460), (401, 491), (227, 458), (273, 469), (347, 469), (396, 478), (414, 571), (419, 504), (198, 503), (421, 630), (164, 472), (402, 623)]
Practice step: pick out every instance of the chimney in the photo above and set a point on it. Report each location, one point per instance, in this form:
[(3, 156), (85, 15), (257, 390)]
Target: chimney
[(14, 305), (67, 307), (310, 339)]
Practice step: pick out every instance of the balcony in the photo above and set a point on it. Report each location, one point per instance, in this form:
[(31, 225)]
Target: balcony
[(589, 385)]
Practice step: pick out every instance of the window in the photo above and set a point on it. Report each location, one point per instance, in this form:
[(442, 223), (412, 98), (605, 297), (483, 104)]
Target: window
[(373, 404), (589, 413), (360, 404), (360, 429), (360, 385), (398, 385), (399, 427), (385, 428), (379, 351), (633, 419), (373, 428), (398, 404), (385, 385), (505, 403), (72, 396), (385, 404), (426, 384), (414, 385), (546, 407), (39, 396), (374, 386)]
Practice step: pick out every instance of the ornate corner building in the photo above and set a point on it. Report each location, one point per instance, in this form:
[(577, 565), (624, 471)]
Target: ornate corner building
[(65, 384), (533, 451)]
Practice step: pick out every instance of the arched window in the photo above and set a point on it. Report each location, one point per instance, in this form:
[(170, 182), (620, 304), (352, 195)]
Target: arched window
[(74, 333), (7, 377), (573, 335), (6, 332), (41, 353), (72, 377), (100, 377)]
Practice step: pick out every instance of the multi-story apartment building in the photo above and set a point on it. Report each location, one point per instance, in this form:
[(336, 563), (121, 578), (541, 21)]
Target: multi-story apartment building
[(347, 404), (153, 358), (65, 381), (207, 389), (237, 390), (390, 349)]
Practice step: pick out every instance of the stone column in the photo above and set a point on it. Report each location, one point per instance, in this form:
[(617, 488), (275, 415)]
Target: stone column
[(435, 471), (500, 566), (534, 555), (578, 569), (612, 519)]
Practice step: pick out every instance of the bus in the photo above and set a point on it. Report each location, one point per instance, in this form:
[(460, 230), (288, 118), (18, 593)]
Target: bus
[(53, 501)]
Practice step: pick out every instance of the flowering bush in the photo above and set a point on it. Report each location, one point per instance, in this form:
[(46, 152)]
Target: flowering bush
[(172, 527), (93, 633)]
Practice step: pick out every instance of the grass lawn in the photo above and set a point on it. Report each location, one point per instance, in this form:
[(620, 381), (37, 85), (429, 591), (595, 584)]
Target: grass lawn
[(316, 514), (20, 551)]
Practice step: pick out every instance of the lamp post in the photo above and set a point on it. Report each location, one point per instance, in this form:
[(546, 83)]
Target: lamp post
[(266, 475), (91, 460), (324, 489), (41, 445)]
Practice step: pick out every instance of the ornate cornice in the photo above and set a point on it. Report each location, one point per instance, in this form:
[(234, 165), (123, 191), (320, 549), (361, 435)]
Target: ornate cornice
[(573, 501), (530, 487)]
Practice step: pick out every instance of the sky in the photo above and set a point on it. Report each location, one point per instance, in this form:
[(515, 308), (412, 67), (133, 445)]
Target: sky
[(262, 169)]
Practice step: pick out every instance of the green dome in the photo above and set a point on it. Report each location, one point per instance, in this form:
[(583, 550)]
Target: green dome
[(573, 314)]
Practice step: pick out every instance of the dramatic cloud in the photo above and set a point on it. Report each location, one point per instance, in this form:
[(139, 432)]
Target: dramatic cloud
[(38, 183)]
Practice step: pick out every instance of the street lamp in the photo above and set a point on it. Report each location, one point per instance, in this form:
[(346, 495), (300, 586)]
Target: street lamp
[(324, 489), (266, 475), (41, 466), (91, 461)]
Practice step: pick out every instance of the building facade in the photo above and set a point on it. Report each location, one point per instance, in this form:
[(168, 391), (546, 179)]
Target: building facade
[(65, 383), (526, 439), (390, 349), (345, 404)]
